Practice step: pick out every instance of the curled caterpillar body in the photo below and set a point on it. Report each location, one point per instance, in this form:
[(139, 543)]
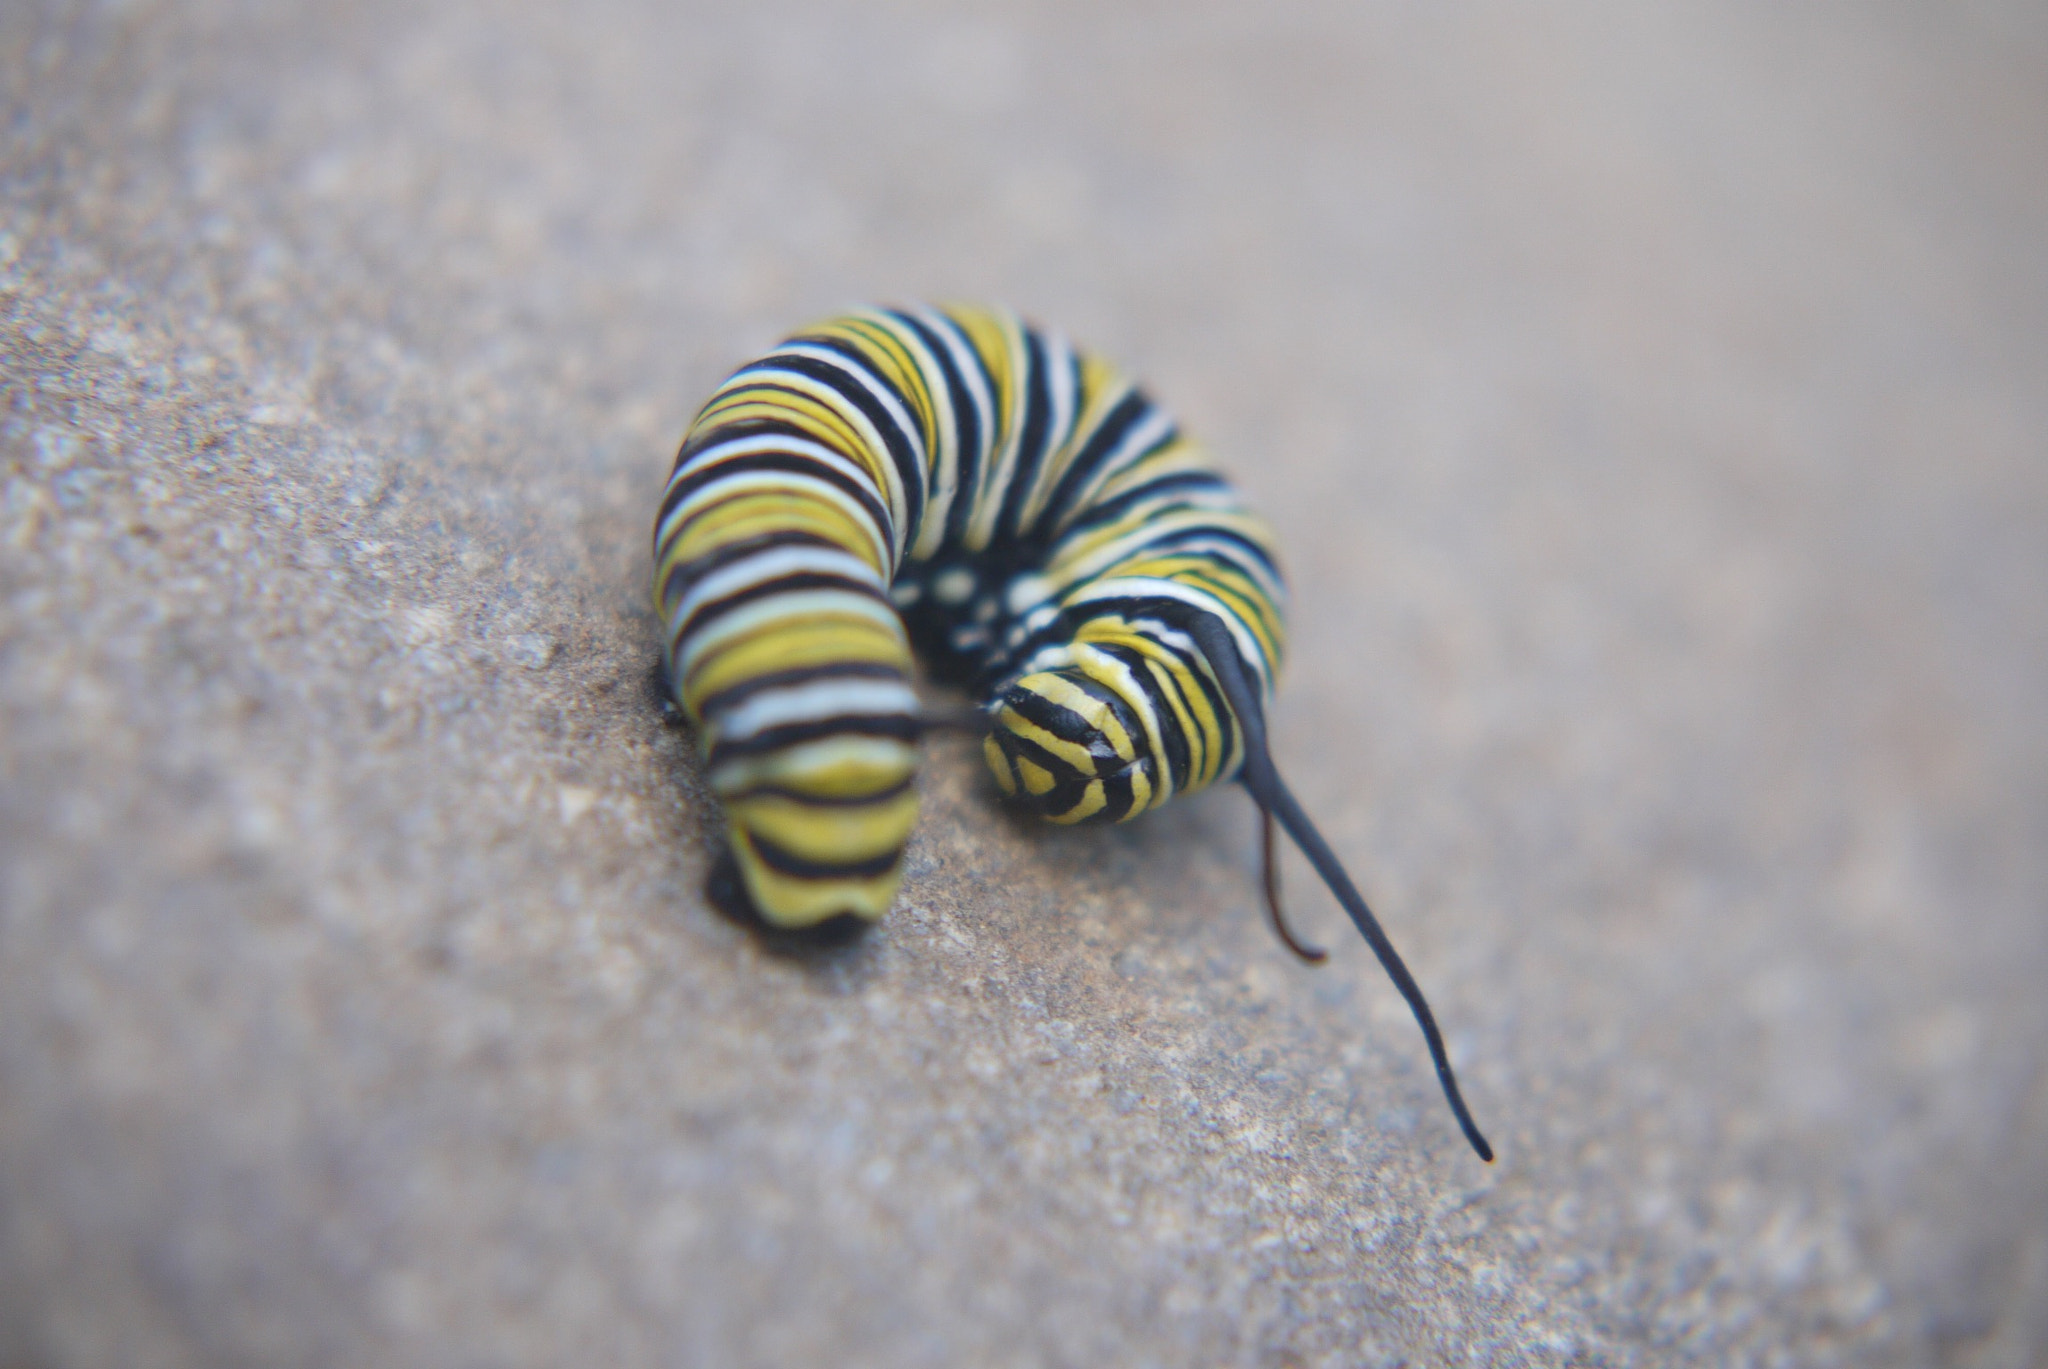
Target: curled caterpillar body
[(956, 483)]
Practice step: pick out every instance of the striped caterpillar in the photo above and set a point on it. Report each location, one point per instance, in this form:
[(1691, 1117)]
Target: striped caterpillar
[(954, 482)]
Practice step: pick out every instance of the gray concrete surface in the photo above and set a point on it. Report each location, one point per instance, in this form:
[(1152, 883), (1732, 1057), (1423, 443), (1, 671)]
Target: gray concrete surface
[(1655, 407)]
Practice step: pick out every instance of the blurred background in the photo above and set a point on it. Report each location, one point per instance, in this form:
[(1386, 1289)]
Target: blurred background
[(1653, 408)]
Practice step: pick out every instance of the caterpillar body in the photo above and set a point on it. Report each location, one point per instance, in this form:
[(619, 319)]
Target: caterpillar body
[(957, 485)]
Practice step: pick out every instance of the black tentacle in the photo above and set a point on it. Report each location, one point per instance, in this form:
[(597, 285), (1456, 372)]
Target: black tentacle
[(1269, 873), (1263, 780)]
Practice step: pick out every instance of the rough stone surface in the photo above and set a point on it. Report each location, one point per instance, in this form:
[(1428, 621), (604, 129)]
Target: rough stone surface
[(1654, 401)]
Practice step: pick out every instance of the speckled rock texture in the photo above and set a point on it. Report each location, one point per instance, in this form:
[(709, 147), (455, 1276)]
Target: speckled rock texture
[(1653, 401)]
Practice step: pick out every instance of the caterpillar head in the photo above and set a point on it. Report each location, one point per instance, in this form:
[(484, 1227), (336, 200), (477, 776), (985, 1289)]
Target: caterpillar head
[(1069, 748)]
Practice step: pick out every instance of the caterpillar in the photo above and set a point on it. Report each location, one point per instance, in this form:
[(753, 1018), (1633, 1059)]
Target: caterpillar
[(954, 485)]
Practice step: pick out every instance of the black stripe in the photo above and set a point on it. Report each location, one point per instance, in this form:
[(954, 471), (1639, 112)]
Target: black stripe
[(793, 463), (731, 697), (1120, 709), (783, 791), (1033, 440), (894, 437), (967, 433), (781, 584), (786, 862), (682, 578), (1070, 726), (1107, 511), (1215, 532), (1066, 626), (1058, 719), (1118, 796), (905, 727), (1115, 424), (1172, 736), (1171, 732), (1199, 668), (1068, 783)]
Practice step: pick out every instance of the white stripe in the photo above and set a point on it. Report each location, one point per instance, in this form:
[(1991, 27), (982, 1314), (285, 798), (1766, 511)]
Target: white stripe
[(1026, 591), (1146, 433), (912, 430), (813, 701), (1058, 656), (1029, 626), (1124, 681), (1002, 465), (769, 565), (754, 444), (870, 436), (1101, 404), (1063, 390), (792, 764), (1133, 524), (972, 374), (1145, 587), (1155, 532), (777, 481), (940, 469), (1234, 555), (1180, 532), (1178, 457)]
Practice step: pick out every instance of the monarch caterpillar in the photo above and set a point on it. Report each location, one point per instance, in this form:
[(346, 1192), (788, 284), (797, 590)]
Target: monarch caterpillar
[(956, 482)]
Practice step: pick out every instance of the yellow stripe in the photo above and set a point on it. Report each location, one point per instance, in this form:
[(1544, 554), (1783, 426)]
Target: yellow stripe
[(1075, 755), (887, 352), (786, 902), (1060, 690), (1249, 606), (1176, 457), (1000, 765), (831, 767), (998, 343), (1199, 725), (992, 338), (820, 413), (774, 648), (839, 834), (1112, 672), (756, 514), (1093, 556), (1141, 792), (1101, 389), (793, 616), (1236, 593), (874, 546), (815, 418), (1037, 779), (1093, 801)]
